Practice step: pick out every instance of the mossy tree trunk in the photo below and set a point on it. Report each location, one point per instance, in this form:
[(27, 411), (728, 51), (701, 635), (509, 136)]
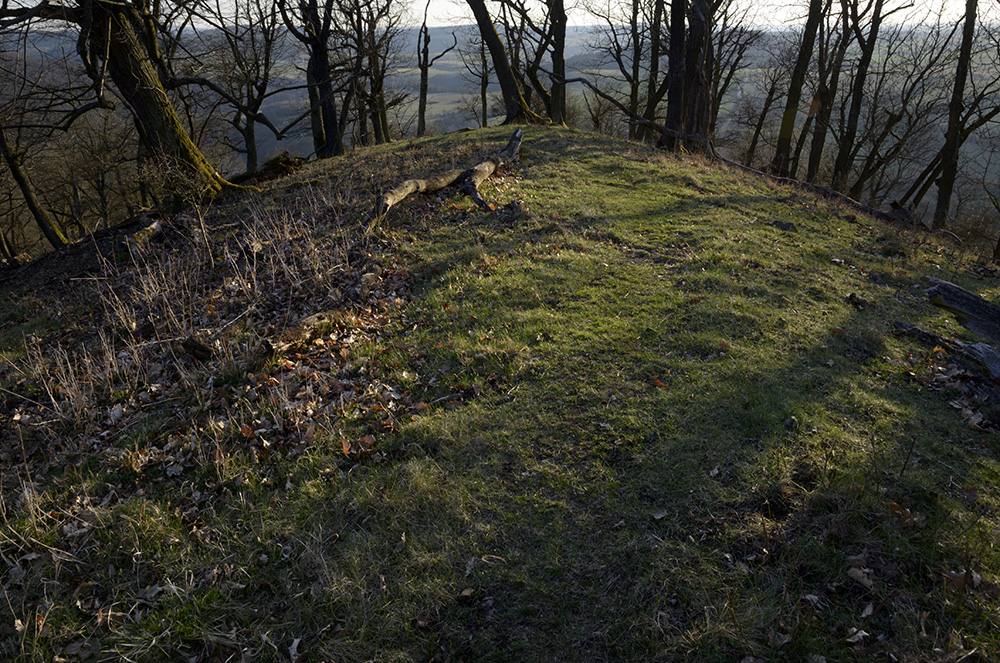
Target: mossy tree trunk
[(128, 39)]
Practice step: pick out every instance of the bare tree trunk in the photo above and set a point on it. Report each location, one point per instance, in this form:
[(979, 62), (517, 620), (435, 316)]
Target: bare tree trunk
[(424, 64), (699, 63), (514, 103), (557, 104), (772, 91), (825, 95), (783, 151), (675, 74), (328, 137), (484, 87), (48, 225), (635, 59), (315, 116), (793, 164), (6, 250), (952, 141), (653, 93), (845, 152), (250, 141)]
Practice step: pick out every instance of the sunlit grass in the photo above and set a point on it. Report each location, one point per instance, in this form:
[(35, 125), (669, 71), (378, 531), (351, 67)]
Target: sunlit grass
[(655, 429)]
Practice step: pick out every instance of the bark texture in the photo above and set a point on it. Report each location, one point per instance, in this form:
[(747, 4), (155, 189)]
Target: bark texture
[(121, 31)]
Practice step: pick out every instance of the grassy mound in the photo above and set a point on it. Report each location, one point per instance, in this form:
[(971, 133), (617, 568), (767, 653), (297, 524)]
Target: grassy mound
[(638, 419)]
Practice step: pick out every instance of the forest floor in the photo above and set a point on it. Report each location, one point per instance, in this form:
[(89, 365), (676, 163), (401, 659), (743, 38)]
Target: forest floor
[(642, 418)]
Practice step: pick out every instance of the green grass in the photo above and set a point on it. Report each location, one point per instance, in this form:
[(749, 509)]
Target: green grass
[(657, 431)]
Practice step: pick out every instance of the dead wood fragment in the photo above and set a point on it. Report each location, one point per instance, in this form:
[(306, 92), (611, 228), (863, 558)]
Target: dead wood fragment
[(302, 331), (972, 311), (857, 301), (470, 179), (197, 348)]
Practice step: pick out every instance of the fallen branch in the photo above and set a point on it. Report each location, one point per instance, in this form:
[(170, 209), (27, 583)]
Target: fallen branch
[(470, 179)]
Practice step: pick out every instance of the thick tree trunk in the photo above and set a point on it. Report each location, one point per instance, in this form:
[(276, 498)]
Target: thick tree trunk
[(699, 63), (675, 74), (952, 141), (250, 142), (48, 225), (514, 103), (783, 152), (116, 31), (319, 70)]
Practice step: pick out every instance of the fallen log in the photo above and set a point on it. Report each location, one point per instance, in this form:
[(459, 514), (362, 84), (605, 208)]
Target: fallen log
[(470, 179), (981, 353), (302, 331), (972, 311)]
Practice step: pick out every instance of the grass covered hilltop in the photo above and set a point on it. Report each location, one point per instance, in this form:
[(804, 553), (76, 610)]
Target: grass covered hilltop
[(635, 421)]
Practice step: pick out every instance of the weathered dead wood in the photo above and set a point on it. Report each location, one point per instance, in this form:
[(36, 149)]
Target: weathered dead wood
[(972, 311), (409, 187), (470, 179), (303, 331), (982, 353)]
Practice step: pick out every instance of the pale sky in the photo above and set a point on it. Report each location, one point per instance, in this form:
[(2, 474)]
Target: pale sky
[(455, 12)]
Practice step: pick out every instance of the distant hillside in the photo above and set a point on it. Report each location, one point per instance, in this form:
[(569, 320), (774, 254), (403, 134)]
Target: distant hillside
[(650, 409)]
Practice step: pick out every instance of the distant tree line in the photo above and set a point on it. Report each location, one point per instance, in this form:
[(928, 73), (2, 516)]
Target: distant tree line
[(109, 106)]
